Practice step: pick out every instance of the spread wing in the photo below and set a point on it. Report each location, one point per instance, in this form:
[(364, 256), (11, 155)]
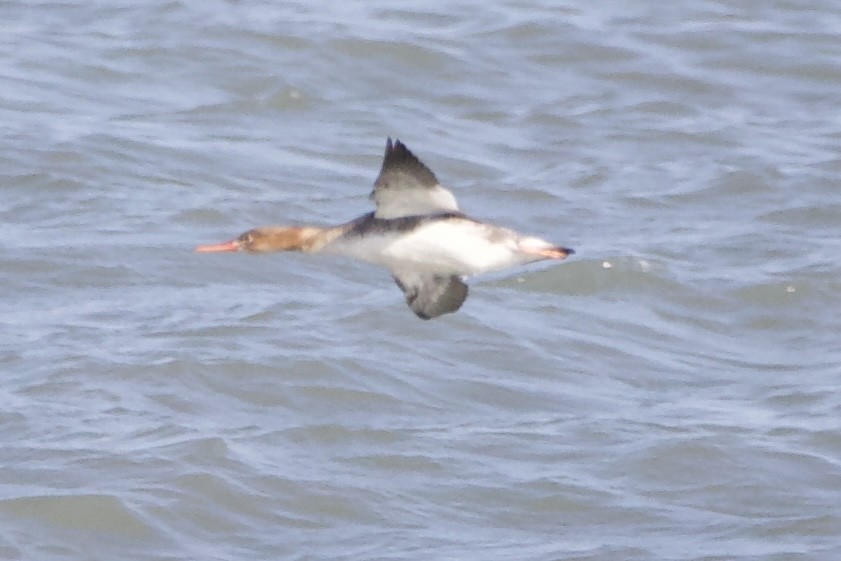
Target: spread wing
[(406, 187), (431, 295)]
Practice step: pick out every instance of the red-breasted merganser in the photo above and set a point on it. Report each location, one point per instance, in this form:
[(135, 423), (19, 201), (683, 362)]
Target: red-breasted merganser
[(417, 232)]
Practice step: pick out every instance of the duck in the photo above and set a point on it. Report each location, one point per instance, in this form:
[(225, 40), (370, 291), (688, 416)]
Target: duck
[(417, 232)]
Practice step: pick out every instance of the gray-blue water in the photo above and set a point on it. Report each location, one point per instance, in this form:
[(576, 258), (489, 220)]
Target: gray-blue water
[(669, 393)]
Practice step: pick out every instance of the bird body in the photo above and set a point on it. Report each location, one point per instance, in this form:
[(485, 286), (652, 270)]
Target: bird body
[(417, 232)]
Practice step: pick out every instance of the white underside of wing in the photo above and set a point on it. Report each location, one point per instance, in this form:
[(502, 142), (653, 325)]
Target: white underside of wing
[(396, 203)]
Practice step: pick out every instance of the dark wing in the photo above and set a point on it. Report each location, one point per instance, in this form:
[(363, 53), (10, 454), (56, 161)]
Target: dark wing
[(406, 187), (431, 295)]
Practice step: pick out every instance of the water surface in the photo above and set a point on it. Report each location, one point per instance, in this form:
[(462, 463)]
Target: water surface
[(668, 393)]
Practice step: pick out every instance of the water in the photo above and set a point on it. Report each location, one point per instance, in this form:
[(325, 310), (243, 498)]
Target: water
[(668, 393)]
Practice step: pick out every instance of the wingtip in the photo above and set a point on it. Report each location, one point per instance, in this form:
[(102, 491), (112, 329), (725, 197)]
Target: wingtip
[(400, 160), (394, 145)]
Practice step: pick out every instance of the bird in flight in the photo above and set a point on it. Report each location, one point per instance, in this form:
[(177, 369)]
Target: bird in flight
[(417, 232)]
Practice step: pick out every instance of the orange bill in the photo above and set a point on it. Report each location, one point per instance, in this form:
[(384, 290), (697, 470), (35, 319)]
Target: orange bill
[(232, 245)]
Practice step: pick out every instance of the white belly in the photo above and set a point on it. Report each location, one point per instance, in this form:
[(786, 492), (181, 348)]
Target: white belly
[(448, 247)]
